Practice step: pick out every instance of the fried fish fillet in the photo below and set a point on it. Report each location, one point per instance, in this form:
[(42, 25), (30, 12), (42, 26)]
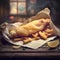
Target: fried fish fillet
[(29, 28)]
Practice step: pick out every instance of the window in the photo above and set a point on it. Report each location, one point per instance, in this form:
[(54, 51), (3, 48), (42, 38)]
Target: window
[(13, 8), (22, 7), (18, 7)]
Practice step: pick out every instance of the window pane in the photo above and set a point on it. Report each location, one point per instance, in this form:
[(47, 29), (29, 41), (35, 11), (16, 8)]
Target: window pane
[(32, 7), (22, 8), (13, 7)]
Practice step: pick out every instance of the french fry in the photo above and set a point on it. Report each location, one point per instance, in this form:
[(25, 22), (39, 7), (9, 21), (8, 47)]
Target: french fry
[(27, 40), (43, 35), (49, 30), (35, 36), (18, 39)]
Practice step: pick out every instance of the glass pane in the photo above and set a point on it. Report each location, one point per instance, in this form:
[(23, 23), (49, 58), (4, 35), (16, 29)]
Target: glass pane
[(22, 8), (32, 7), (13, 7)]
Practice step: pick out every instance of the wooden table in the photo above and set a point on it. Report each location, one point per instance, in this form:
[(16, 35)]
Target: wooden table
[(43, 51)]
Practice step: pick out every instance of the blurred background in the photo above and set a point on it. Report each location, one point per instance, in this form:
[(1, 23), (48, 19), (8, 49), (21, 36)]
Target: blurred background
[(26, 8)]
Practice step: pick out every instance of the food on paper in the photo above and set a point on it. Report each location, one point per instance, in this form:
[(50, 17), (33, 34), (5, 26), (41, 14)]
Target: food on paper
[(34, 30)]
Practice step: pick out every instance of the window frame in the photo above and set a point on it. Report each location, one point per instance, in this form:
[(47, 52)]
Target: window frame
[(17, 1)]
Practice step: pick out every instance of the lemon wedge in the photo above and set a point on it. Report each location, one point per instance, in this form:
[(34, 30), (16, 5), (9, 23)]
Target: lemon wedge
[(16, 47), (53, 44)]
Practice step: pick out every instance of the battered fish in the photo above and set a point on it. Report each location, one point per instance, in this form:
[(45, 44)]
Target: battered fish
[(29, 28)]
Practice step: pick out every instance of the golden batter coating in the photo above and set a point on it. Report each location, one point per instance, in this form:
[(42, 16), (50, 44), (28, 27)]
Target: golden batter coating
[(29, 28)]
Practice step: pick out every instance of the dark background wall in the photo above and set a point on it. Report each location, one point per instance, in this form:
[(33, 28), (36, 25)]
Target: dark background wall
[(4, 8), (55, 11)]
